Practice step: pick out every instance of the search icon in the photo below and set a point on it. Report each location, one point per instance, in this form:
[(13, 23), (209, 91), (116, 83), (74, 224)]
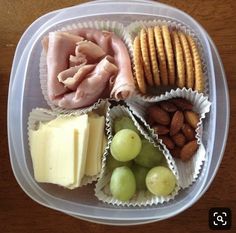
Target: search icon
[(219, 218)]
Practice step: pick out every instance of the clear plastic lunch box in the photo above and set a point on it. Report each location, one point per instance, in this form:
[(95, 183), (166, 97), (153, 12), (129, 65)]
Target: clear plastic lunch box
[(25, 94)]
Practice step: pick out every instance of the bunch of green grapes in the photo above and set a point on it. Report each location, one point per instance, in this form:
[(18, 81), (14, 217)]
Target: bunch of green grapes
[(136, 164)]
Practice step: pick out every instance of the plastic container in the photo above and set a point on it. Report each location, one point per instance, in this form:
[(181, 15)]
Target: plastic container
[(25, 94)]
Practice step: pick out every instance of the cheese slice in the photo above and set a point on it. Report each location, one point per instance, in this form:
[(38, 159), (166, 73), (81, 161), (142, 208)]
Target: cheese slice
[(61, 121), (82, 128), (104, 144), (53, 162), (67, 148), (95, 143)]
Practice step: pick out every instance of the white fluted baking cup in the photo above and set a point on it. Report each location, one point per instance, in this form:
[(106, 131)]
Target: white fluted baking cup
[(111, 26), (42, 115), (188, 171), (141, 198), (134, 28)]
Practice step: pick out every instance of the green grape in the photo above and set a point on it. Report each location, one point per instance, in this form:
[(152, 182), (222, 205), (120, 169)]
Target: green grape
[(160, 181), (125, 145), (149, 155), (122, 184), (140, 176), (163, 162), (124, 123), (113, 163)]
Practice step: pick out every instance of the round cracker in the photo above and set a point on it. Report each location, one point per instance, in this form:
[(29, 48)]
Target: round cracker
[(145, 57), (198, 73), (153, 57), (161, 55), (179, 58), (188, 60), (169, 54), (138, 66)]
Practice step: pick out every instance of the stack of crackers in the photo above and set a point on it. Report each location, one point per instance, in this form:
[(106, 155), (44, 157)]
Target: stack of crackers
[(166, 57)]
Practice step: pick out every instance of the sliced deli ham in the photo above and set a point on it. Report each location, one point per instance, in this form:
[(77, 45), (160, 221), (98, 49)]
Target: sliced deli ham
[(73, 76), (92, 52), (77, 60), (91, 88), (123, 85), (85, 65), (59, 46), (101, 38)]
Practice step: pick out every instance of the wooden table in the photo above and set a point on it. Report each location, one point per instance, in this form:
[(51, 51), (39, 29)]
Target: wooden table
[(18, 213)]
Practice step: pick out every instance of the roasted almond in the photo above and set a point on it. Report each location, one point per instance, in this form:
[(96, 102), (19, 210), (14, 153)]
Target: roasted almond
[(168, 106), (192, 118), (188, 132), (168, 142), (176, 123), (179, 139), (160, 129), (182, 104), (150, 121), (159, 115), (188, 150), (176, 152)]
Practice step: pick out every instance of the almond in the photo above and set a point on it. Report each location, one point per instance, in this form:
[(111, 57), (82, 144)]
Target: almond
[(160, 129), (168, 106), (188, 132), (182, 104), (179, 139), (192, 118), (159, 115), (176, 123), (188, 150), (168, 142), (176, 152), (150, 121)]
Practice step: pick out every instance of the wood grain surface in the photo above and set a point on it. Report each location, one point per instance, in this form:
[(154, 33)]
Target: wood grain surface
[(18, 213)]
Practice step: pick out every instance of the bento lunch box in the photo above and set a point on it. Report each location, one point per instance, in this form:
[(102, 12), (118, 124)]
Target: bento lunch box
[(25, 94)]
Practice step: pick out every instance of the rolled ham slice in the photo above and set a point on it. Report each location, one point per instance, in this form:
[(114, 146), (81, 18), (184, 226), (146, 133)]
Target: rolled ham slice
[(123, 84), (91, 88), (77, 60), (92, 52), (81, 67), (101, 38), (58, 46), (73, 76)]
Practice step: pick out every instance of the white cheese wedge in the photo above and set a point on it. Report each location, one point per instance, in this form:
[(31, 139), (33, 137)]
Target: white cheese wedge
[(53, 162), (95, 144)]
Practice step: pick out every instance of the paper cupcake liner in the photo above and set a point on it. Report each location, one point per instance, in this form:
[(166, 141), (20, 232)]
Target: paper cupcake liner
[(188, 171), (141, 198), (45, 115), (112, 26), (134, 28)]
